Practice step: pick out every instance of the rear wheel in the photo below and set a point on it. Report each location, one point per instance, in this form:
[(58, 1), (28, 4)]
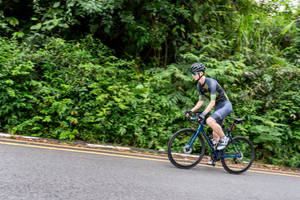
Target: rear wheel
[(238, 156), (185, 150)]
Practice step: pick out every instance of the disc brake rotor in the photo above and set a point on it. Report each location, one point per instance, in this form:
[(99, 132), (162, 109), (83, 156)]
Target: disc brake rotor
[(186, 149), (242, 156)]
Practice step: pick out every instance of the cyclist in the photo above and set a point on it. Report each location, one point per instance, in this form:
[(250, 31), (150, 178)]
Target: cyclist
[(210, 88)]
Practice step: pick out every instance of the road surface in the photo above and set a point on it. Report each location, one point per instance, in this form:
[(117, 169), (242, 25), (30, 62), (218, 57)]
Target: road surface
[(37, 171)]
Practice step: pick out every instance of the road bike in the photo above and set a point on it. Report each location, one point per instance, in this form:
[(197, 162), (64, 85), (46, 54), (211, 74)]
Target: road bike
[(187, 148)]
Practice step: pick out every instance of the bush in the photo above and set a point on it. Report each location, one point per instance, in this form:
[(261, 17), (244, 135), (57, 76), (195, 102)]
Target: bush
[(80, 90)]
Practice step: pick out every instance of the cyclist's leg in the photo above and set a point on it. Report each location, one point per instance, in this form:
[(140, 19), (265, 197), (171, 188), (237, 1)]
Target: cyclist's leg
[(216, 137), (219, 116), (217, 129), (215, 134), (216, 119), (212, 122)]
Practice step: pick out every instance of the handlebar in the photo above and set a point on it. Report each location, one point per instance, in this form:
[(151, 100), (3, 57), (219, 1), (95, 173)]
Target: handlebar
[(195, 117)]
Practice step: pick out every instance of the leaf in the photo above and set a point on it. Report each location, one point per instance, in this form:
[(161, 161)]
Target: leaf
[(12, 21), (18, 34), (287, 28), (56, 4), (197, 16), (36, 27)]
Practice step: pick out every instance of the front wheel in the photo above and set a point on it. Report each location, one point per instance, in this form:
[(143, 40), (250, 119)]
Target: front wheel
[(185, 149), (238, 156)]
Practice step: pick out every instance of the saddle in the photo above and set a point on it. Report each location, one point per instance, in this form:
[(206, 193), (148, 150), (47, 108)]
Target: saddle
[(238, 120)]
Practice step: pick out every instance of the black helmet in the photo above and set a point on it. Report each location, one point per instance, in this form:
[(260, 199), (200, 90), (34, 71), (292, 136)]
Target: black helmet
[(197, 67)]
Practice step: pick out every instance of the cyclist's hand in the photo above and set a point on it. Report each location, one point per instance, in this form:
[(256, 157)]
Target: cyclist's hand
[(201, 116), (188, 113)]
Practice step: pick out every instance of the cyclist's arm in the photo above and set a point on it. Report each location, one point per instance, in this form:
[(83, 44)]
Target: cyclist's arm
[(211, 104), (197, 106)]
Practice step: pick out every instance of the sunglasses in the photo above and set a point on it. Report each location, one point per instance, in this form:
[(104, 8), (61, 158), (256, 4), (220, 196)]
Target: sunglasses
[(194, 73)]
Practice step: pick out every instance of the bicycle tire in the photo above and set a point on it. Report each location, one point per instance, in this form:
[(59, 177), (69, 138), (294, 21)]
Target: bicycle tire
[(189, 160), (238, 165)]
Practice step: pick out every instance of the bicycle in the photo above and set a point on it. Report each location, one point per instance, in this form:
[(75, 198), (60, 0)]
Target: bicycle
[(187, 148)]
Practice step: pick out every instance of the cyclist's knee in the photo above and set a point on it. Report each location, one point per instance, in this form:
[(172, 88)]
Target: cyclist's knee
[(210, 121)]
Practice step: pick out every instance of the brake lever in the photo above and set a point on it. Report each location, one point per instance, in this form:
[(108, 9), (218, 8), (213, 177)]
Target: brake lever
[(191, 114)]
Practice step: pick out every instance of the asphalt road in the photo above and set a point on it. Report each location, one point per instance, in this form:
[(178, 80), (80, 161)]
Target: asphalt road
[(50, 172)]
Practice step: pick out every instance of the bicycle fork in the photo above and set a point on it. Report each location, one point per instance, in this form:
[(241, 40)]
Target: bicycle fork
[(189, 144)]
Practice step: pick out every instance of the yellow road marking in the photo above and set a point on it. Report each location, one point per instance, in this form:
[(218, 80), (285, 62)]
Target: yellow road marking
[(85, 148), (279, 173), (134, 157), (89, 152)]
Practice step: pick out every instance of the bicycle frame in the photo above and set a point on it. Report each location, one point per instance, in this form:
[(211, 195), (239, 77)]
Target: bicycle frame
[(218, 154)]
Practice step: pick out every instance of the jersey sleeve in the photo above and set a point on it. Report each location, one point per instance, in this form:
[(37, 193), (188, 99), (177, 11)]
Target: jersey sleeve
[(200, 97), (200, 93), (213, 90)]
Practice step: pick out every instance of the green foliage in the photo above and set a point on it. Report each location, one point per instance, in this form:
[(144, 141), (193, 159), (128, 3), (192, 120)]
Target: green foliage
[(80, 91), (4, 23), (142, 28)]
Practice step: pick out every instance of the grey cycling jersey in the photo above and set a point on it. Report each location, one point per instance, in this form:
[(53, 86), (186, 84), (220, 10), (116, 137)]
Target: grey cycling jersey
[(212, 90)]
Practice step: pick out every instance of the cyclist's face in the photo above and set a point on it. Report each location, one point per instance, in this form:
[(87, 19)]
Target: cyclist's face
[(195, 75)]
